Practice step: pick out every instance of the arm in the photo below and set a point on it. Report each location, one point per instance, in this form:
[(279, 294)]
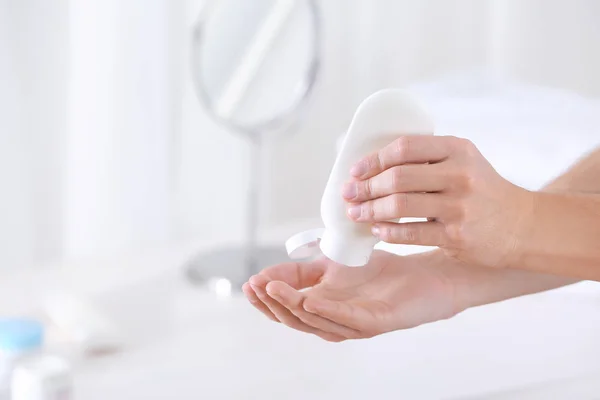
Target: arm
[(562, 236), (475, 215), (478, 286), (394, 292)]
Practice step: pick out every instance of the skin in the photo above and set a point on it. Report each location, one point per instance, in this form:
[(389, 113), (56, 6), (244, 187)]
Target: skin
[(393, 292), (476, 216), (388, 294)]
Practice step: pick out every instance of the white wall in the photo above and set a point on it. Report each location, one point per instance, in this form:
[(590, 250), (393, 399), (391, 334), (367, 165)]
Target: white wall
[(377, 44), (211, 166), (33, 72), (553, 43), (366, 46), (104, 146), (121, 120), (87, 111)]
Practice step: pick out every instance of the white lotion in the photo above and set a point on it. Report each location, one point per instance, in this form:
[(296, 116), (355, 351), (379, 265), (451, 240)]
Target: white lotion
[(379, 120)]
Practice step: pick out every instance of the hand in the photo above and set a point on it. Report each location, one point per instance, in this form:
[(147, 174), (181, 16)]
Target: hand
[(388, 294), (473, 213)]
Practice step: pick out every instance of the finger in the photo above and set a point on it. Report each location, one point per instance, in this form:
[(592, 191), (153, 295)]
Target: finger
[(412, 149), (293, 300), (257, 303), (297, 275), (286, 317), (398, 179), (399, 205), (418, 233), (342, 313)]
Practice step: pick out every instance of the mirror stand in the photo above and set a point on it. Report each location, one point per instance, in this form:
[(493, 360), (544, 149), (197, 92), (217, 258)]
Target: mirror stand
[(236, 264), (254, 68)]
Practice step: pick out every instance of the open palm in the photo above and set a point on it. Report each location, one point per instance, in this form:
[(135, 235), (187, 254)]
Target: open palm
[(338, 303)]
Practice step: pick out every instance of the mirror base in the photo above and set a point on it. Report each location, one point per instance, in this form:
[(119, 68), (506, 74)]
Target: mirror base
[(231, 263)]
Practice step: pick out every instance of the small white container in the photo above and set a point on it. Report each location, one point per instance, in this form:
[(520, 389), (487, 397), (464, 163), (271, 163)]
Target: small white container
[(19, 340), (44, 377)]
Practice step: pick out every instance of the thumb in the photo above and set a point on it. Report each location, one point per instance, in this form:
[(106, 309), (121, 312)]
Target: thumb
[(297, 275), (340, 312), (285, 294)]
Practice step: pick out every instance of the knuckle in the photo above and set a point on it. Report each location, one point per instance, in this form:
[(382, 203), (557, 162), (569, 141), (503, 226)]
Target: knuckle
[(453, 142), (376, 161), (470, 148), (368, 188), (405, 235), (397, 178), (368, 211), (460, 176), (466, 146), (459, 210), (462, 179), (403, 145), (399, 204), (469, 183), (410, 235), (385, 234), (456, 234)]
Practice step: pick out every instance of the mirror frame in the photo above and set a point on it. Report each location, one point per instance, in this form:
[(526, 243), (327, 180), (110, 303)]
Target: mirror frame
[(300, 101)]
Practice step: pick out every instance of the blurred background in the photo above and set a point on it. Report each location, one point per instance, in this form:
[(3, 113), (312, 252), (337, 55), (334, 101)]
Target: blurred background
[(105, 148)]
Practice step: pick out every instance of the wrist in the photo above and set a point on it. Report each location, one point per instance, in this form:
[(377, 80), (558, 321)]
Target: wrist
[(461, 279), (561, 236), (528, 206)]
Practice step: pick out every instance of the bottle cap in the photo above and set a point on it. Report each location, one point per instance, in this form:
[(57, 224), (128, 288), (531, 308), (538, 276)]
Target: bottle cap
[(18, 334), (304, 244), (351, 252)]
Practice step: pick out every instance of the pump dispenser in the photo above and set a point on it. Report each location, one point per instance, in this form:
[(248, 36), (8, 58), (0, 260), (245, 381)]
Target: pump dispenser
[(378, 121)]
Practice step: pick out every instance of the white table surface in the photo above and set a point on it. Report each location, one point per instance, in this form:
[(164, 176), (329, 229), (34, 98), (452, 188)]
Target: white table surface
[(184, 343)]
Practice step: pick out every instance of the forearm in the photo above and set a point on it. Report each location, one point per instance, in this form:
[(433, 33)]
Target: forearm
[(562, 236), (582, 177), (563, 233), (478, 286)]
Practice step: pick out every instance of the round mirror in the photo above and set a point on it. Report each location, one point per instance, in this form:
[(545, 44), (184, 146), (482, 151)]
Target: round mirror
[(255, 62), (254, 66)]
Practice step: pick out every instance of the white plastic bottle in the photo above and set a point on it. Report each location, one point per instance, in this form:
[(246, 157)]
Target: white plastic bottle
[(379, 120)]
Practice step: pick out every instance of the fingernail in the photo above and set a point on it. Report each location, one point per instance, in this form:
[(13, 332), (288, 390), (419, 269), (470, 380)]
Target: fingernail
[(376, 231), (354, 212), (349, 190), (359, 169)]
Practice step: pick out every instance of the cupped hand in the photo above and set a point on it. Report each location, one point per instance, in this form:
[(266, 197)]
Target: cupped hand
[(338, 303), (473, 213)]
